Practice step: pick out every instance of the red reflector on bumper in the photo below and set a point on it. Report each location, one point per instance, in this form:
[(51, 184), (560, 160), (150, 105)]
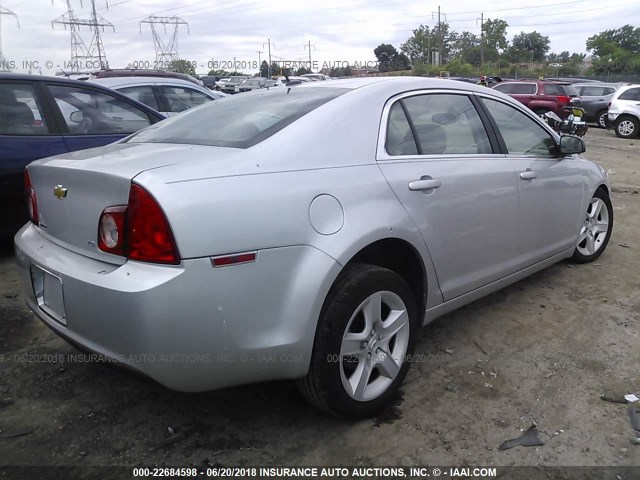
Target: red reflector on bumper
[(233, 259)]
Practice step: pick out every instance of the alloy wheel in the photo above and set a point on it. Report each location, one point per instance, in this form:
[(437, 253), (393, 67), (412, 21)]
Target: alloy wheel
[(626, 128), (374, 345), (594, 228)]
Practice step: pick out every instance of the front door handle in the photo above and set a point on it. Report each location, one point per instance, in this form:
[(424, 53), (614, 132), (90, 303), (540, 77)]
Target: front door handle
[(424, 184), (528, 175)]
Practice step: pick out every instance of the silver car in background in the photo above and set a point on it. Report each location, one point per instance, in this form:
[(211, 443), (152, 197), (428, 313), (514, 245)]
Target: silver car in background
[(303, 233), (168, 96)]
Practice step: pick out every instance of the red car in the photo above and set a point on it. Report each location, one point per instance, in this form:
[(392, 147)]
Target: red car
[(542, 96)]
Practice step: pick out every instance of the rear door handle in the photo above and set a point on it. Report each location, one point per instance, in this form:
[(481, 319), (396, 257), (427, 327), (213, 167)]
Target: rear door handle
[(528, 175), (424, 184)]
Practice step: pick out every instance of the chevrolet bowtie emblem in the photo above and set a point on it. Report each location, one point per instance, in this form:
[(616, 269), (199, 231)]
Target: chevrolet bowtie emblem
[(60, 191)]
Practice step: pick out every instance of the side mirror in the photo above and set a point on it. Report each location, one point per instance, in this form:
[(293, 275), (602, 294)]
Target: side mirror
[(570, 145), (76, 117)]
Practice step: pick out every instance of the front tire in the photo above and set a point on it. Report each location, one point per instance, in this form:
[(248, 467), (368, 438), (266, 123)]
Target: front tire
[(366, 334), (627, 127), (595, 230)]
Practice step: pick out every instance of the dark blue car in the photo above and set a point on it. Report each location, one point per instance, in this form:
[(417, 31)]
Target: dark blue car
[(44, 116)]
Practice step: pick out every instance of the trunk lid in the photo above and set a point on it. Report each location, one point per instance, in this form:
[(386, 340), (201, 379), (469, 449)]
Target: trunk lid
[(94, 179)]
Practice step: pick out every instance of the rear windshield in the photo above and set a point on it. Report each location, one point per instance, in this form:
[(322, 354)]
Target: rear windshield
[(240, 121)]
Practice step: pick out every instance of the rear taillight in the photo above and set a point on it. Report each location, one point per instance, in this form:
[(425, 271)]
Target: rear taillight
[(139, 230), (112, 230), (564, 99), (32, 200), (149, 237)]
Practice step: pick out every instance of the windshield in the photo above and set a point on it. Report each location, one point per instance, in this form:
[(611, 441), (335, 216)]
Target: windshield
[(236, 80), (252, 82), (240, 121)]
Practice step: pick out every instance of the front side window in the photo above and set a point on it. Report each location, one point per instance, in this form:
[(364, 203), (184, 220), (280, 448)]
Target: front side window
[(20, 113), (89, 112), (446, 124), (522, 135), (180, 99), (240, 121)]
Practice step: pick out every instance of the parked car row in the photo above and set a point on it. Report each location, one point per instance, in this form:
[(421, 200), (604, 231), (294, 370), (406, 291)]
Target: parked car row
[(608, 105)]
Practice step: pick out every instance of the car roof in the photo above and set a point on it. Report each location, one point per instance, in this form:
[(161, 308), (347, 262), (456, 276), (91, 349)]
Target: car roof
[(42, 78), (596, 84), (121, 81)]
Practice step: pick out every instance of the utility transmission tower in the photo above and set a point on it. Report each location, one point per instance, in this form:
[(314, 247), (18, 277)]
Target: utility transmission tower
[(83, 56), (4, 64), (166, 49), (309, 47), (441, 39), (274, 46), (481, 38)]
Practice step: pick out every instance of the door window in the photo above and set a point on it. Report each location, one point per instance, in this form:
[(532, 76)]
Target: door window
[(446, 124), (183, 98), (400, 139), (505, 87), (631, 94), (524, 88), (522, 134), (89, 112), (143, 94), (20, 113)]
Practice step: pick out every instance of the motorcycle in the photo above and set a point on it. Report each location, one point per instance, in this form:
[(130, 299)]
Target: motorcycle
[(572, 124)]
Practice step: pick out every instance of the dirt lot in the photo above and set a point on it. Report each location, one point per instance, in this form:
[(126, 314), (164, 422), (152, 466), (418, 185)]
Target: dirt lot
[(542, 350)]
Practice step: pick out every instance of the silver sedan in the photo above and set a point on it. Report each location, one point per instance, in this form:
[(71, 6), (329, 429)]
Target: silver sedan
[(303, 233)]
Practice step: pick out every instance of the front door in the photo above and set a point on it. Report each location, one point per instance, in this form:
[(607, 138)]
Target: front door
[(440, 161), (550, 186)]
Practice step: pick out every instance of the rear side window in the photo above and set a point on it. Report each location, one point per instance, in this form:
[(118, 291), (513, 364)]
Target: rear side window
[(240, 121), (440, 123), (555, 89), (631, 94), (524, 88), (595, 91), (180, 99), (20, 113)]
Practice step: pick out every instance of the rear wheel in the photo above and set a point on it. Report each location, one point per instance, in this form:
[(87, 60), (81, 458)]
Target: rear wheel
[(541, 113), (595, 230), (365, 335), (627, 127), (601, 118)]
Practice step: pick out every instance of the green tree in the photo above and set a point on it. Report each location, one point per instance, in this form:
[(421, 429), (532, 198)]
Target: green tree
[(615, 50), (303, 71), (527, 47), (418, 46), (385, 53), (347, 71), (264, 69), (495, 35), (275, 69), (182, 66)]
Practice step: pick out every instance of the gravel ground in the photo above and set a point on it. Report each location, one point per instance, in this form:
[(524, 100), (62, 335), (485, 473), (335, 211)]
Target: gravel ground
[(542, 350)]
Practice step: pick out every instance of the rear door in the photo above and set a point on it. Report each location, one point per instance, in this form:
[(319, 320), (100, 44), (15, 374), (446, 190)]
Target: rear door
[(550, 187), (525, 92), (28, 132), (445, 167), (91, 117)]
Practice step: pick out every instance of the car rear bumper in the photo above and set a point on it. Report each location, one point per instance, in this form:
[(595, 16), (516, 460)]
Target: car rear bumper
[(191, 327)]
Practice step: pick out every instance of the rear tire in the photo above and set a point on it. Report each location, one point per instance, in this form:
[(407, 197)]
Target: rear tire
[(541, 113), (601, 118), (365, 337), (595, 231), (627, 127)]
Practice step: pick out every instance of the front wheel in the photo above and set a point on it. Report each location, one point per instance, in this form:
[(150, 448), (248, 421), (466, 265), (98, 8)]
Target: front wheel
[(365, 337), (627, 127), (595, 230)]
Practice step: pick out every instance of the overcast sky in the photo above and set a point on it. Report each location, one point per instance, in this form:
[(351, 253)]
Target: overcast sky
[(339, 30)]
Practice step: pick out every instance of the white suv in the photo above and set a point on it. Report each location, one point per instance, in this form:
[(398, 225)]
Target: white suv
[(624, 111)]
